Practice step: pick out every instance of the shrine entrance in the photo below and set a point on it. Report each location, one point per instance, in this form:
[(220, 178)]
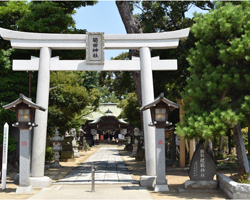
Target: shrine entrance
[(94, 44)]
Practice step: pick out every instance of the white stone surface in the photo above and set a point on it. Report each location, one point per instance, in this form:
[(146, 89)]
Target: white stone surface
[(148, 97), (41, 118), (110, 169), (81, 65), (24, 190)]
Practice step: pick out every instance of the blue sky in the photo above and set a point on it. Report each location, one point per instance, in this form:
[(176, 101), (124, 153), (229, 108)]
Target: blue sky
[(104, 17)]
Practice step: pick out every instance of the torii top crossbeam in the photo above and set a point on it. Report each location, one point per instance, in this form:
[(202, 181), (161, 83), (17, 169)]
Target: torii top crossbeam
[(26, 40)]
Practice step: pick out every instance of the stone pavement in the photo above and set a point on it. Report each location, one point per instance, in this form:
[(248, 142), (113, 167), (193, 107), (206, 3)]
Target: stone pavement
[(113, 180), (110, 169)]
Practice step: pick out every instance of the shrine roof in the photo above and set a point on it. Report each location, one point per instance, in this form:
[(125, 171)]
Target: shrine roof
[(160, 98)]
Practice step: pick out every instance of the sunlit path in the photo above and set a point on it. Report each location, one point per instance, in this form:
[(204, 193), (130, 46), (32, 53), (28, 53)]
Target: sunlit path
[(110, 169)]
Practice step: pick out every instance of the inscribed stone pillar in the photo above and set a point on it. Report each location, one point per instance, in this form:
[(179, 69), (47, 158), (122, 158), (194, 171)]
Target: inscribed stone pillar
[(41, 118), (148, 97), (24, 166), (161, 182)]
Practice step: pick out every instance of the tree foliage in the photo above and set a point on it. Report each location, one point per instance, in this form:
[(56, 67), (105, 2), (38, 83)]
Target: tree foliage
[(46, 17), (220, 73), (68, 97), (131, 110)]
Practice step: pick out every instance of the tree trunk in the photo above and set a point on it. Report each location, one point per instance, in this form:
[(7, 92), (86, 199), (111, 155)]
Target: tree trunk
[(132, 26), (240, 147)]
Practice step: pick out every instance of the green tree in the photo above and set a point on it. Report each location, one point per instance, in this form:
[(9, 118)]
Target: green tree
[(130, 110), (158, 16), (36, 17), (67, 100), (217, 93)]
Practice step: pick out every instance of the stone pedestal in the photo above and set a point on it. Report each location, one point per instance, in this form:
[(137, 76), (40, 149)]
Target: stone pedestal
[(24, 163), (40, 182), (147, 181), (202, 185), (161, 182), (24, 190)]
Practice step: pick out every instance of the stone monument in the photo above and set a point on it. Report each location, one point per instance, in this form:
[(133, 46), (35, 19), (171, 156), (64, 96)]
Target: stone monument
[(75, 148), (137, 135), (80, 136), (202, 170), (56, 148), (67, 153)]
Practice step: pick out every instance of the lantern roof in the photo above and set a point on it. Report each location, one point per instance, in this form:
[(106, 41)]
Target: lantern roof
[(25, 100), (159, 99)]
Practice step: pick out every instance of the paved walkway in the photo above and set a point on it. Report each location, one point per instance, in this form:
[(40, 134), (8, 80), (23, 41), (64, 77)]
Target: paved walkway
[(110, 169)]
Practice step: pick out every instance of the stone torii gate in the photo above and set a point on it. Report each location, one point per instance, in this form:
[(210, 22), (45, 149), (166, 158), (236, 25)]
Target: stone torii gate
[(94, 43)]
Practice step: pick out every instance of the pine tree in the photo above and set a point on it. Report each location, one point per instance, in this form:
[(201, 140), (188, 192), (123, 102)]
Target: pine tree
[(217, 93)]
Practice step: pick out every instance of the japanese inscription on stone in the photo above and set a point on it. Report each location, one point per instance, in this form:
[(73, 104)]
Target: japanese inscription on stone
[(95, 50), (202, 166)]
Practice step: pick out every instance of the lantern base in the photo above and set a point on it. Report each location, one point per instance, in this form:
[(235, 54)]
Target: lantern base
[(24, 190), (147, 181), (161, 188), (40, 182)]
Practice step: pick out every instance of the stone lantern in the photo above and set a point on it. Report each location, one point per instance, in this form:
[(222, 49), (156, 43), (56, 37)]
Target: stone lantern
[(25, 116), (56, 148), (159, 109)]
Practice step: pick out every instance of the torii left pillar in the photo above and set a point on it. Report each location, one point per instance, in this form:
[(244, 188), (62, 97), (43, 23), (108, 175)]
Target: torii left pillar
[(37, 178)]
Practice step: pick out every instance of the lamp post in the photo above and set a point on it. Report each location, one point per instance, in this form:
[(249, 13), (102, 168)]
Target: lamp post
[(159, 110), (25, 116)]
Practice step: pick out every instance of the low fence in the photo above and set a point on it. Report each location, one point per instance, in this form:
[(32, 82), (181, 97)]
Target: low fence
[(233, 189)]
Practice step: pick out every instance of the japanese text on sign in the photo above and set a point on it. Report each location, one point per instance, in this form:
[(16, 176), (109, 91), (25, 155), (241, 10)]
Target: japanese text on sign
[(202, 163), (95, 48)]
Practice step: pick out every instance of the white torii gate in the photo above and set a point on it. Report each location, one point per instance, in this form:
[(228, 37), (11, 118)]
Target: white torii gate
[(44, 64)]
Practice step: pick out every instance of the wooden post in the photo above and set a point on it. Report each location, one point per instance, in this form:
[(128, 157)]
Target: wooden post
[(182, 141), (191, 149)]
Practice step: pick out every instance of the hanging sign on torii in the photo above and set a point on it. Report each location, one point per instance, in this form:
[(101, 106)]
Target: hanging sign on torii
[(94, 44)]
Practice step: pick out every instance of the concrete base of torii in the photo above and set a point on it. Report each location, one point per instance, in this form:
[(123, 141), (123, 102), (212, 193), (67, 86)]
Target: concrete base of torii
[(40, 182)]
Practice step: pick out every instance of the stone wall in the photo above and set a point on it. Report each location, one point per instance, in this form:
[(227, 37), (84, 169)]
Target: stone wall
[(233, 189)]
